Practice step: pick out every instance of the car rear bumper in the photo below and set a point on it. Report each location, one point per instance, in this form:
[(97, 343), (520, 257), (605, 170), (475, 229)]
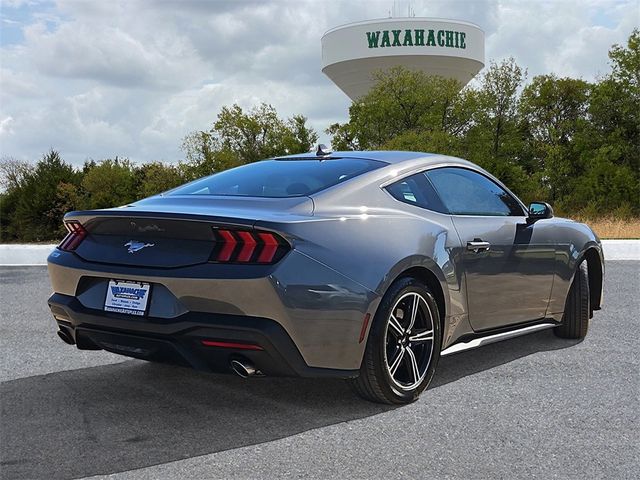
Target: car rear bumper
[(180, 341), (306, 317)]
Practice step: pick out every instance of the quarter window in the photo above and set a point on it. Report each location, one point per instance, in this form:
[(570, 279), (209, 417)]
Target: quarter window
[(465, 192), (417, 190)]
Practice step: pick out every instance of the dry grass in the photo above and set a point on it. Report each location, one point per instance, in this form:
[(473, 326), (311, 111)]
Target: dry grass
[(609, 227)]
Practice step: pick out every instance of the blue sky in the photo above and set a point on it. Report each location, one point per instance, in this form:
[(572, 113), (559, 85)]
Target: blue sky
[(95, 79)]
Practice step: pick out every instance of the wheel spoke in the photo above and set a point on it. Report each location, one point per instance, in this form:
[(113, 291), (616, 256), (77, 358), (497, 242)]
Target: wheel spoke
[(413, 363), (414, 311), (421, 337), (397, 361), (395, 326)]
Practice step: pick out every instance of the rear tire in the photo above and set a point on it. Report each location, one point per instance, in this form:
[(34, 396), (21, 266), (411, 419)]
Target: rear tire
[(575, 322), (403, 345)]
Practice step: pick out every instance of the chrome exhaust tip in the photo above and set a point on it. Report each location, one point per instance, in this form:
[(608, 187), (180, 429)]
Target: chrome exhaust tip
[(65, 337), (244, 368)]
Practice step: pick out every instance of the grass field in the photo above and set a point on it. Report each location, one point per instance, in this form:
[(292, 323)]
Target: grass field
[(614, 227)]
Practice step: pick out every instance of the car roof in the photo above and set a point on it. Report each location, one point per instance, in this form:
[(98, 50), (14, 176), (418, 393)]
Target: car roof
[(386, 156)]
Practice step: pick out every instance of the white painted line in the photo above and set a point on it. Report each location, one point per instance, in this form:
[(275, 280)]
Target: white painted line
[(28, 255), (24, 254), (621, 249), (23, 264)]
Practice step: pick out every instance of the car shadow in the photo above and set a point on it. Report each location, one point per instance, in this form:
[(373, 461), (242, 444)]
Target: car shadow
[(460, 365), (133, 414)]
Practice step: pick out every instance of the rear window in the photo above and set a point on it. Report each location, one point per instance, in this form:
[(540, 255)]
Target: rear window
[(279, 178)]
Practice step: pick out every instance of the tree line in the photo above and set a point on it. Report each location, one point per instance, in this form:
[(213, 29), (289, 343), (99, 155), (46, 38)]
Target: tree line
[(36, 197), (573, 143)]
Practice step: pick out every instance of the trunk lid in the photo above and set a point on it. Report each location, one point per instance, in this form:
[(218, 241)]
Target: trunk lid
[(176, 231)]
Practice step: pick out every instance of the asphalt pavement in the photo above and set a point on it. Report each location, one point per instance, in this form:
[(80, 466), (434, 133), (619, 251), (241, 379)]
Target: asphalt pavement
[(532, 407)]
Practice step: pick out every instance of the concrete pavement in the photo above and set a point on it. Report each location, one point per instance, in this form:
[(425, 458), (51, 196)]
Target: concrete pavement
[(532, 407)]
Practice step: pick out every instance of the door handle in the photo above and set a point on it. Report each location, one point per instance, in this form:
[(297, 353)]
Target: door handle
[(478, 246)]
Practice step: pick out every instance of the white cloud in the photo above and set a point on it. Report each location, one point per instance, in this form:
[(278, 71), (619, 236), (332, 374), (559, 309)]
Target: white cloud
[(131, 78), (109, 54), (17, 85), (559, 37), (5, 126)]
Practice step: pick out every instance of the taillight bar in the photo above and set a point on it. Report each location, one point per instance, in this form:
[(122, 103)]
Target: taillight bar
[(234, 345), (76, 235), (247, 246)]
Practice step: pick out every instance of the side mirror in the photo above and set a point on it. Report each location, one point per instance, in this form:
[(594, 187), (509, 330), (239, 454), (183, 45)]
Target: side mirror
[(539, 210)]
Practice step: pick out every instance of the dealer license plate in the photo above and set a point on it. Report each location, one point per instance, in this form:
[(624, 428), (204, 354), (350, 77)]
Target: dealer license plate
[(127, 297)]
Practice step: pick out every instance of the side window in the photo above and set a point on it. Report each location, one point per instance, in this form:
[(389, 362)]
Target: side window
[(465, 192), (417, 190)]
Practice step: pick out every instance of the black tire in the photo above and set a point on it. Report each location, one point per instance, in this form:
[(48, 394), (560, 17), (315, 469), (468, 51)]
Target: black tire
[(575, 321), (375, 382)]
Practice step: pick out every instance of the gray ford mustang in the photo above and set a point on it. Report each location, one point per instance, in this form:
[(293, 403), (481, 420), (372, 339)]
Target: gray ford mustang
[(367, 266)]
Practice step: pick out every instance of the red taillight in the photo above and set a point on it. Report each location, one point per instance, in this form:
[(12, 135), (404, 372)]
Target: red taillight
[(228, 245), (235, 345), (248, 246), (270, 247), (76, 235), (245, 246)]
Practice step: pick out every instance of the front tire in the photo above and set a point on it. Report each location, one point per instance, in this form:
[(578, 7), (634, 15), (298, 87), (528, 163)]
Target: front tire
[(403, 345), (575, 322)]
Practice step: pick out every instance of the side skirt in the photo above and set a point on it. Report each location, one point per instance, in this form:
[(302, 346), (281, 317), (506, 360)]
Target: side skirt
[(496, 337)]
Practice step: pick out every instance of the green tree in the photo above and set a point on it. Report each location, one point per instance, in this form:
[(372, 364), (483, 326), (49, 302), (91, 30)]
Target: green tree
[(199, 148), (611, 138), (494, 140), (250, 136), (8, 202), (625, 63), (343, 136), (204, 156), (584, 139), (299, 138), (156, 177), (605, 188), (554, 113), (109, 183), (401, 101), (238, 137), (498, 106), (36, 208), (615, 103), (13, 173)]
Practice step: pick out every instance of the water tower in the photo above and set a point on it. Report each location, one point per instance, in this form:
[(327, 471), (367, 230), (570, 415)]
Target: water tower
[(352, 53)]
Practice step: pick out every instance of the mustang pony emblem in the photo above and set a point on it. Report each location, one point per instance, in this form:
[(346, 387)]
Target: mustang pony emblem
[(134, 246)]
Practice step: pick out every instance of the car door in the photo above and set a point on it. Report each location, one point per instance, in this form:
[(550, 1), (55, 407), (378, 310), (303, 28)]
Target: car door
[(508, 268)]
